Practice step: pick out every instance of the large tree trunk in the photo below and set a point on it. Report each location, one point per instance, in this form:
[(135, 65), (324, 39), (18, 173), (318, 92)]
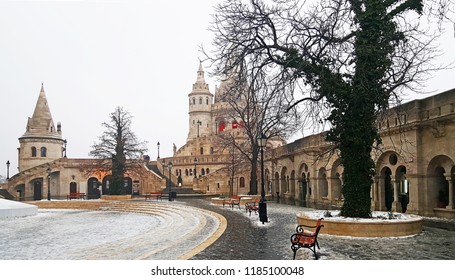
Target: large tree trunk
[(355, 148)]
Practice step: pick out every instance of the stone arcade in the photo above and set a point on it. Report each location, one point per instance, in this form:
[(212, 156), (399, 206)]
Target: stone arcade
[(415, 164)]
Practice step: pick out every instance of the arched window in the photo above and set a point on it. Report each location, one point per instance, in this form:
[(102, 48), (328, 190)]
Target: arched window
[(202, 150), (242, 182), (194, 101), (200, 100), (186, 172), (43, 151), (33, 151), (206, 101), (211, 150), (202, 171), (207, 171)]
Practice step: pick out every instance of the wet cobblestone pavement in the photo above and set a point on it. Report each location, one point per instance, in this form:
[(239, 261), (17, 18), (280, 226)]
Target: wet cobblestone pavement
[(246, 238)]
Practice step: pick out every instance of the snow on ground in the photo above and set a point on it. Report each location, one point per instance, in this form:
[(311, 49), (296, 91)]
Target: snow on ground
[(334, 215), (61, 234)]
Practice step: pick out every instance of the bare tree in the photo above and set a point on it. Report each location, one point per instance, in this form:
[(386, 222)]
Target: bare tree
[(254, 108), (349, 57), (118, 149)]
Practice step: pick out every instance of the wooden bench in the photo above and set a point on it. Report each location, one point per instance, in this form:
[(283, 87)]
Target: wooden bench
[(232, 201), (304, 238), (252, 206), (75, 195), (150, 195)]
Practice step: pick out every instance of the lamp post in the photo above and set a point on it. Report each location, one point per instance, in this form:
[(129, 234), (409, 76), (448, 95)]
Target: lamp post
[(7, 170), (262, 141), (195, 161), (48, 183), (158, 144), (64, 149), (169, 167)]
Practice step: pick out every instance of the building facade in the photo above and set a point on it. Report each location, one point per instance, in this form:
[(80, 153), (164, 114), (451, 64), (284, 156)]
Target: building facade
[(415, 164)]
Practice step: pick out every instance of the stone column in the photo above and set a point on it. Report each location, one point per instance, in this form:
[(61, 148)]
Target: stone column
[(375, 189), (450, 205), (396, 206)]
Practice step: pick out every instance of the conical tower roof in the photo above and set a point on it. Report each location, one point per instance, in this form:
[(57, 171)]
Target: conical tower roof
[(200, 86), (41, 123)]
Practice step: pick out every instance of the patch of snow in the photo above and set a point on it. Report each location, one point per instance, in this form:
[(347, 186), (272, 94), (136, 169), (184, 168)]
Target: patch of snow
[(334, 215)]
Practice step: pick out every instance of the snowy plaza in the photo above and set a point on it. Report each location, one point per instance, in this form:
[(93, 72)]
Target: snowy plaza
[(195, 229)]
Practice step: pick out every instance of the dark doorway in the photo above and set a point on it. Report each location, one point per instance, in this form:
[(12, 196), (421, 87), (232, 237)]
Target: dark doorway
[(37, 190), (73, 187), (93, 188), (388, 188)]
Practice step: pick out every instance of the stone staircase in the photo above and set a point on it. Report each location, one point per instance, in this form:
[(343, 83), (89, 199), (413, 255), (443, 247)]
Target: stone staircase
[(180, 233)]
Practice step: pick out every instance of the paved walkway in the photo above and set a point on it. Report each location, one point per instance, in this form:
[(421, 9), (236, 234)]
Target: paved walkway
[(246, 238), (173, 230)]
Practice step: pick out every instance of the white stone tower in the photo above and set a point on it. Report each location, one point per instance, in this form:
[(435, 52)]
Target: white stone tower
[(41, 142), (200, 106)]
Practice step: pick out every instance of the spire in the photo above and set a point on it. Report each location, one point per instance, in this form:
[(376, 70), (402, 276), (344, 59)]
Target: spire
[(200, 74), (41, 122), (200, 84)]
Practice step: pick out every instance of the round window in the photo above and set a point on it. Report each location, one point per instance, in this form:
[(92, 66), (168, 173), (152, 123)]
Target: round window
[(393, 159)]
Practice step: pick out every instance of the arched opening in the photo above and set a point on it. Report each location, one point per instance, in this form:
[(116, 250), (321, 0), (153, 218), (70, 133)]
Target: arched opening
[(292, 184), (43, 151), (242, 182), (388, 188), (93, 188), (73, 187), (276, 185), (284, 187), (442, 188), (127, 185), (403, 187), (37, 190), (303, 187), (322, 184)]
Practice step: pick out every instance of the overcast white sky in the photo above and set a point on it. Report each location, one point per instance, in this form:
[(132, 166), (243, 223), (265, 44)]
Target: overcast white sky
[(95, 55)]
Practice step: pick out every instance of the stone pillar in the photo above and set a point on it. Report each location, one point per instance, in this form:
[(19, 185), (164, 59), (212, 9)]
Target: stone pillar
[(329, 181), (375, 196), (450, 205), (396, 206)]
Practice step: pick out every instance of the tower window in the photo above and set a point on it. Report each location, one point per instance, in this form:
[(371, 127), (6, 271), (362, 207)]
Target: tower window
[(33, 151), (202, 150), (207, 101), (43, 151), (200, 100), (194, 101)]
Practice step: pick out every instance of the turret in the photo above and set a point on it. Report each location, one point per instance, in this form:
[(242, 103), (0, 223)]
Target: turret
[(200, 104), (41, 142)]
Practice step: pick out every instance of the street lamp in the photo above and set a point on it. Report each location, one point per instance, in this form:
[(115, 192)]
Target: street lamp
[(262, 141), (64, 149), (48, 183), (7, 170), (195, 161), (158, 144), (169, 167)]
